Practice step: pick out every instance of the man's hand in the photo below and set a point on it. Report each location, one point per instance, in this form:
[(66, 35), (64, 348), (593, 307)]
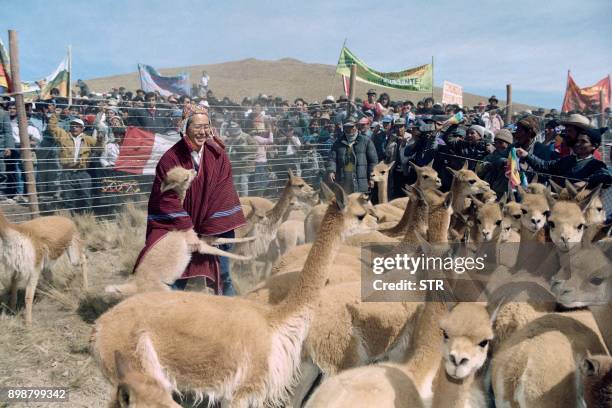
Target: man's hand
[(7, 153), (332, 177), (193, 242), (490, 148), (521, 152)]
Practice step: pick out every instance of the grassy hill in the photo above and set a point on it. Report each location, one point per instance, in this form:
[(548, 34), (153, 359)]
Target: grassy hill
[(287, 77)]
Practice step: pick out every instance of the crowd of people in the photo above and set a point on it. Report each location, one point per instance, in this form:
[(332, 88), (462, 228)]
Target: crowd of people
[(77, 145)]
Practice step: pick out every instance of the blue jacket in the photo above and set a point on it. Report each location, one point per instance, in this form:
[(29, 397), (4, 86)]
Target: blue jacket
[(591, 170)]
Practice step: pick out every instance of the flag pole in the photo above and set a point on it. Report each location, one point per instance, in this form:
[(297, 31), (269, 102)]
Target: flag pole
[(69, 85), (432, 78)]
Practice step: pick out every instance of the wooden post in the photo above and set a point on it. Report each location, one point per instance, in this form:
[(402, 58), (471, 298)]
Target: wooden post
[(352, 89), (26, 154), (69, 85), (508, 103), (601, 109)]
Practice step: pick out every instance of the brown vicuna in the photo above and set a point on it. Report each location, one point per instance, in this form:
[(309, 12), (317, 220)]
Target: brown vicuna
[(439, 370), (380, 176), (136, 390), (29, 248), (586, 280), (535, 367), (414, 217), (465, 184), (595, 373), (589, 200), (228, 349), (166, 261)]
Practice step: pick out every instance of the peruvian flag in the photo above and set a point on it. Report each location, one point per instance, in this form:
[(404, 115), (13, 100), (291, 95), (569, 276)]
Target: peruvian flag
[(585, 98), (141, 150)]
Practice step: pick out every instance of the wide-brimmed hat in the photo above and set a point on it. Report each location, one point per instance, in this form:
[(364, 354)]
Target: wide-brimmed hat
[(578, 120), (504, 135), (78, 121), (531, 123)]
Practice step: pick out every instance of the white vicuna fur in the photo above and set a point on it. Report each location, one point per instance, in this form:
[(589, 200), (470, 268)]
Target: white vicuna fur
[(166, 261), (29, 248), (225, 348)]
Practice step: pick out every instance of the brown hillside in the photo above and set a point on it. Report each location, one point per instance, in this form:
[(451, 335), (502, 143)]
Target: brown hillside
[(286, 77)]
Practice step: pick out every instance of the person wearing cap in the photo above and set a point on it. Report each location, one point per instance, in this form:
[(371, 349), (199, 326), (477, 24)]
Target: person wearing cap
[(363, 127), (370, 103), (474, 147), (581, 165), (574, 124), (493, 167), (527, 128), (351, 161), (381, 138), (75, 149), (394, 152)]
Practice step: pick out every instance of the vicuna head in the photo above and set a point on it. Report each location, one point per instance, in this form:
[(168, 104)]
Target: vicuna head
[(534, 211), (567, 220), (135, 390), (585, 280), (535, 187), (596, 375), (299, 188), (488, 219), (590, 200), (380, 173), (356, 210), (467, 330), (178, 179), (427, 177), (466, 182), (512, 213)]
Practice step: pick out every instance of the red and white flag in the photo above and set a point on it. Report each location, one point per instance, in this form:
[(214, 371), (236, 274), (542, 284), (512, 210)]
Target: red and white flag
[(141, 150)]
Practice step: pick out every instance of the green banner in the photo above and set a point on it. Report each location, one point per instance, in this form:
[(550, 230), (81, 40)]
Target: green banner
[(419, 79)]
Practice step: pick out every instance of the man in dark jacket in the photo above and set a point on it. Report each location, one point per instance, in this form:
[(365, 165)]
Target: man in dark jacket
[(525, 134), (351, 160), (152, 119)]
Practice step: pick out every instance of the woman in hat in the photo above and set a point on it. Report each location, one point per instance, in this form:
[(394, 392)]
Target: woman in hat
[(582, 165)]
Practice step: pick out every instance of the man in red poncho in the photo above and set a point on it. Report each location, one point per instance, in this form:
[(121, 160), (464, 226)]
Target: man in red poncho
[(211, 205)]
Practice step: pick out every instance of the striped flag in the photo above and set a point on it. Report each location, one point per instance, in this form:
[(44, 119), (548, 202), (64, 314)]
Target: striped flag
[(455, 119), (141, 150), (151, 81), (513, 173), (58, 79)]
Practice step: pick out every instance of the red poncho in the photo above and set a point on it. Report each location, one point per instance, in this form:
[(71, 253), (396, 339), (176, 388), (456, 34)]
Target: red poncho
[(211, 206)]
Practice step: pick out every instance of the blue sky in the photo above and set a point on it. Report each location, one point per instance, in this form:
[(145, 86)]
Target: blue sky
[(481, 45)]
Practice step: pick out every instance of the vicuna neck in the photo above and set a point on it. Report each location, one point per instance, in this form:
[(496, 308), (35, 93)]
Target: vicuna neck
[(449, 392), (382, 190), (317, 265), (409, 218), (278, 211), (459, 195), (439, 224)]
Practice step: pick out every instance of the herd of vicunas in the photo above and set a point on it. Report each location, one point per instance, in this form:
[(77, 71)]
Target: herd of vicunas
[(303, 336)]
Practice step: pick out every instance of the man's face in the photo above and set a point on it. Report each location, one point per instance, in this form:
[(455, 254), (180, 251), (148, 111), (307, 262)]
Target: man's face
[(299, 106), (75, 129), (583, 146), (473, 136), (350, 130), (571, 134), (400, 130), (151, 102), (12, 111), (521, 136), (386, 125), (493, 102), (371, 98), (199, 130), (500, 145), (428, 104)]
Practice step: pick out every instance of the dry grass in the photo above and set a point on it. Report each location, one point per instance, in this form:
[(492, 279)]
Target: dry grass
[(287, 77), (55, 351)]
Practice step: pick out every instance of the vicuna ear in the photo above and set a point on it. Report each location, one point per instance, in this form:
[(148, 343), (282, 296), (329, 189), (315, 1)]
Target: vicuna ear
[(586, 203), (342, 200), (477, 201), (549, 198), (290, 172), (423, 243), (166, 186), (556, 188), (452, 171), (390, 165), (326, 193), (414, 166), (521, 192), (503, 200), (535, 178), (589, 367), (465, 165), (571, 189), (430, 164), (122, 367), (493, 309)]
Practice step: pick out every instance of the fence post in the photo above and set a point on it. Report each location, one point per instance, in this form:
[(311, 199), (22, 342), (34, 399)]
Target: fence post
[(508, 103), (26, 153), (352, 90), (601, 109)]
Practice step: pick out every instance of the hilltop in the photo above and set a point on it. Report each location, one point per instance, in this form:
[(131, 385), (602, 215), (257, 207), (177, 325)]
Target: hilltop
[(287, 77)]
